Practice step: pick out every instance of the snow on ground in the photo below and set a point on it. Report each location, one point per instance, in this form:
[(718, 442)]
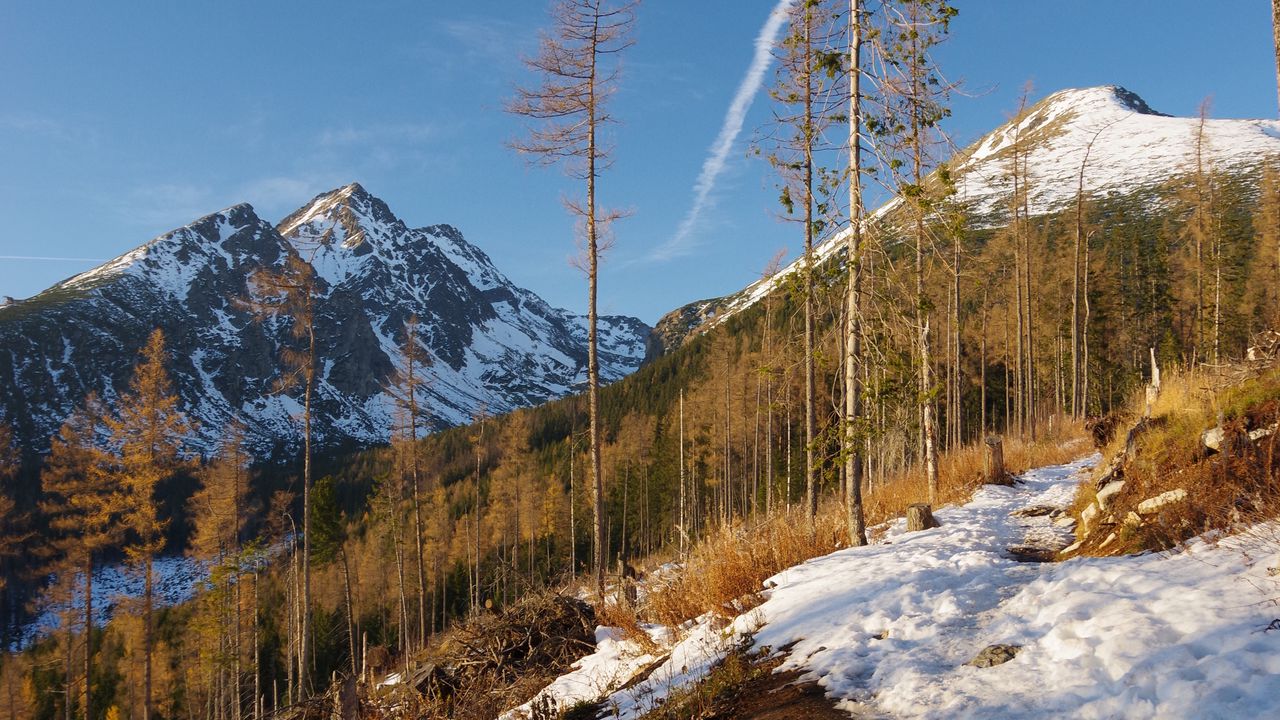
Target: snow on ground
[(614, 662), (887, 629)]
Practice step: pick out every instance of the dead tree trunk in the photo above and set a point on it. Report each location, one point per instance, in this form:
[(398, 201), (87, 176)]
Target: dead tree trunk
[(853, 302), (993, 465), (1275, 29)]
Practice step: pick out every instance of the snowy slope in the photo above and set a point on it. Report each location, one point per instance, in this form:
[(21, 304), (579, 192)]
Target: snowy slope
[(887, 629), (1133, 147), (1129, 147), (175, 579), (492, 345)]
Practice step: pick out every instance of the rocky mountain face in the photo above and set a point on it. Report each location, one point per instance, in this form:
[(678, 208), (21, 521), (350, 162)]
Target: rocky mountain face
[(493, 346), (1101, 141)]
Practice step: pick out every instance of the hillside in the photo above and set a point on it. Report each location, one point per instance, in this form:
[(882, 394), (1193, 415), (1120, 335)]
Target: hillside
[(707, 440), (1138, 582), (1104, 143), (741, 382), (1000, 443)]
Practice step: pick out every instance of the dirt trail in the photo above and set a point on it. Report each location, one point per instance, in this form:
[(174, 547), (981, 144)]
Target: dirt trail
[(780, 696)]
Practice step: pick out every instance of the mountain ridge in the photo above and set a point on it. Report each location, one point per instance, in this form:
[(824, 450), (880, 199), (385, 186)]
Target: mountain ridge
[(494, 346)]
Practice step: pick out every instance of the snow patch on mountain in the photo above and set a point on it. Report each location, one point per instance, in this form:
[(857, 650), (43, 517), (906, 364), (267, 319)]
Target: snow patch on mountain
[(175, 579), (1133, 147)]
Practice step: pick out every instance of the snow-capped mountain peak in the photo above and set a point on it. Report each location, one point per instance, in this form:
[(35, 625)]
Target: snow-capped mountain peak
[(1111, 136), (339, 216), (492, 344), (231, 234)]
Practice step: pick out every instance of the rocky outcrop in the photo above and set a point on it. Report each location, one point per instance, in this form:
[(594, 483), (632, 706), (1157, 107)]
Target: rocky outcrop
[(993, 655), (1212, 438), (1107, 493), (1153, 505)]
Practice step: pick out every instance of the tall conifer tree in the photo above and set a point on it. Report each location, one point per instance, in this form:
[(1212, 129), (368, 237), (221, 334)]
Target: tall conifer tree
[(913, 105), (406, 386), (147, 431), (853, 364), (81, 500), (290, 292)]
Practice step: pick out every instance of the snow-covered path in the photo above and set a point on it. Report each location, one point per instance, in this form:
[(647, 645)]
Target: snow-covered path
[(906, 613), (888, 628)]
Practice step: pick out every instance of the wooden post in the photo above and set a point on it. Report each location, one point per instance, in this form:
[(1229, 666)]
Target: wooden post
[(920, 517), (347, 700), (1153, 389), (993, 467)]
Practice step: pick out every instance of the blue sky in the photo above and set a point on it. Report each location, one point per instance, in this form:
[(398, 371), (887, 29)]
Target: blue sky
[(119, 121)]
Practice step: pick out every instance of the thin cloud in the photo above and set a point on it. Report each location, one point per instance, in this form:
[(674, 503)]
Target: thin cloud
[(161, 207), (164, 205), (681, 242), (409, 133), (272, 196), (34, 125), (54, 259), (483, 37), (475, 45)]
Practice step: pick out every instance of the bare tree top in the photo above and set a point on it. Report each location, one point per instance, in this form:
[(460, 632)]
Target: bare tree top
[(577, 77)]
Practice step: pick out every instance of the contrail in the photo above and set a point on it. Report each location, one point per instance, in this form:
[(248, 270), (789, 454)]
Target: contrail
[(41, 257), (719, 153)]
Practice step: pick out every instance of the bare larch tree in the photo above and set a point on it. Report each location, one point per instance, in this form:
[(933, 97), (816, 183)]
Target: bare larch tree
[(290, 293), (577, 65)]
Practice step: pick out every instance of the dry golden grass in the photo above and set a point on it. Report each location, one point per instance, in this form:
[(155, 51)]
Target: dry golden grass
[(626, 617), (724, 571), (1179, 414)]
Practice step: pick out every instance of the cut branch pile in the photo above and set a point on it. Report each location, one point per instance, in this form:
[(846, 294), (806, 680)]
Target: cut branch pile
[(502, 658)]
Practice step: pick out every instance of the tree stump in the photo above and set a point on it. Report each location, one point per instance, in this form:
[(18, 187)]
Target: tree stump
[(627, 582), (920, 517), (993, 465), (347, 701), (1153, 388)]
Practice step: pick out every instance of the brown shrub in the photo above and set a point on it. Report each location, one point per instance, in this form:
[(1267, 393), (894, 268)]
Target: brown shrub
[(725, 570), (626, 617)]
